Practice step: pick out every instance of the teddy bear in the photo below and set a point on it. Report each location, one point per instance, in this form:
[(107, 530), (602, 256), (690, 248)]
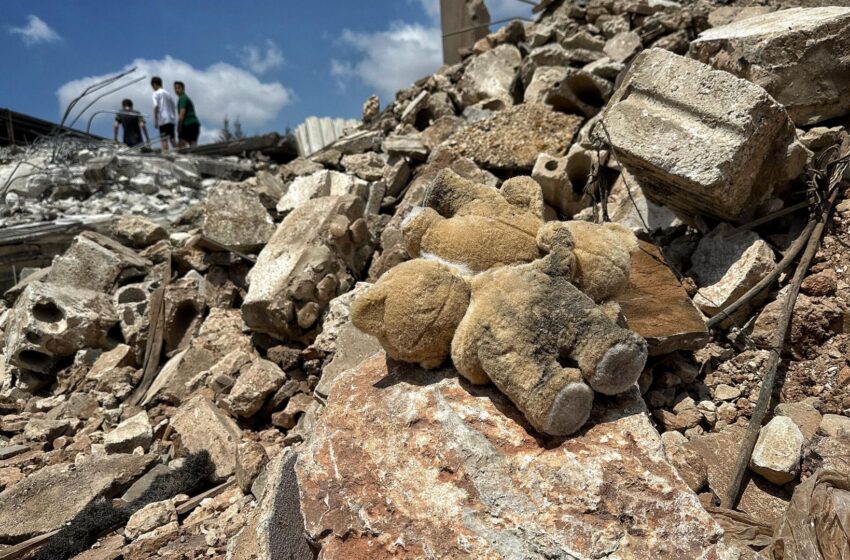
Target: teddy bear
[(514, 300), (479, 227), (543, 343)]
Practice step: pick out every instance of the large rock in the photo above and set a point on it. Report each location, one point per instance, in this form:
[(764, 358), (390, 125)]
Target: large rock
[(253, 386), (777, 453), (95, 262), (490, 75), (318, 184), (235, 217), (510, 140), (133, 432), (726, 266), (310, 260), (51, 321), (664, 122), (451, 470), (203, 426), (801, 56), (51, 497)]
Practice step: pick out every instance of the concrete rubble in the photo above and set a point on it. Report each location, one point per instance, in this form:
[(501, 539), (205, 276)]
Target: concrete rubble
[(470, 325)]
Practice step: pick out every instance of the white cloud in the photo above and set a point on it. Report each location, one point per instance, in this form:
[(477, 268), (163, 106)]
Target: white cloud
[(219, 90), (36, 31), (392, 59), (259, 61)]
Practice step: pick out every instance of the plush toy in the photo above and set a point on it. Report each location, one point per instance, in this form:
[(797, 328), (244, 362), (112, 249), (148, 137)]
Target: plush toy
[(476, 226), (511, 298), (413, 310), (480, 228), (544, 344)]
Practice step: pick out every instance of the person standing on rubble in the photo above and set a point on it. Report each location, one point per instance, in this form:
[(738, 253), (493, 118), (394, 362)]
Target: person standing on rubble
[(164, 114), (188, 125), (133, 124)]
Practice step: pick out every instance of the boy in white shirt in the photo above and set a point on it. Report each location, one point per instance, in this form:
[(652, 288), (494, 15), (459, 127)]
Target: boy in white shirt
[(164, 114)]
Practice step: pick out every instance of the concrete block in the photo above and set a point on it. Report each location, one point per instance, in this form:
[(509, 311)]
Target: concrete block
[(801, 56), (308, 261), (701, 141), (96, 262), (51, 321)]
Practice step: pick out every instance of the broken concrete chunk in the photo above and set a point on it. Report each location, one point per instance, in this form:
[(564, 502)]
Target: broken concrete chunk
[(309, 260), (45, 430), (253, 386), (52, 496), (580, 92), (835, 425), (622, 46), (368, 166), (319, 184), (150, 517), (50, 322), (778, 450), (409, 146), (550, 172), (630, 207), (799, 55), (513, 138), (138, 232), (662, 123), (96, 262), (490, 75), (133, 432), (203, 426), (358, 142), (235, 217), (426, 426), (727, 266), (802, 413)]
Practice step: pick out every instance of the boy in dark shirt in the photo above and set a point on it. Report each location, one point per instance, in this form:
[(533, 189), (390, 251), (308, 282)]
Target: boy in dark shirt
[(188, 125), (133, 124)]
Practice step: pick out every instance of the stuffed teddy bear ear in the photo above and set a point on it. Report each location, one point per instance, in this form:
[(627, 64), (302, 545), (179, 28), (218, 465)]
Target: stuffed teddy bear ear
[(367, 310), (524, 193), (628, 239), (448, 193)]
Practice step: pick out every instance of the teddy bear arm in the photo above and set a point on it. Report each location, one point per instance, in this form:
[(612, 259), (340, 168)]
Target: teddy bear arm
[(525, 194), (449, 193)]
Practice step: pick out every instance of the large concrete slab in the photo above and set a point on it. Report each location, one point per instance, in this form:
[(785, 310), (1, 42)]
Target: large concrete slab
[(801, 56), (699, 140)]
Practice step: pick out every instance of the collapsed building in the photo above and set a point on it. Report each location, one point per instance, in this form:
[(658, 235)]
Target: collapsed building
[(535, 307)]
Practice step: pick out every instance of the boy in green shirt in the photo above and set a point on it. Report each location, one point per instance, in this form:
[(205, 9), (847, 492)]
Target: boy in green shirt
[(188, 125)]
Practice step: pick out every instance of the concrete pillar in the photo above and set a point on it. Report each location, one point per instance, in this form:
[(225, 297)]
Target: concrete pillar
[(462, 14)]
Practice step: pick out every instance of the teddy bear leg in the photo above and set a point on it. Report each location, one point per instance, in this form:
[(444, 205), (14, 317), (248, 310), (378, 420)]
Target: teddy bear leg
[(613, 363), (554, 400)]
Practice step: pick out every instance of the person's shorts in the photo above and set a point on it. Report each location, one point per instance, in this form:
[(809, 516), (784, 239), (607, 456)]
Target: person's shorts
[(190, 132), (167, 131)]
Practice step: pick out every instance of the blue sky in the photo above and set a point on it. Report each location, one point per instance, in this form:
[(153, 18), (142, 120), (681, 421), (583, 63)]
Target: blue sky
[(270, 63)]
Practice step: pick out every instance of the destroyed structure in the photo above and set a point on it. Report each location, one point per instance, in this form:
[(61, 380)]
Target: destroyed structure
[(583, 294)]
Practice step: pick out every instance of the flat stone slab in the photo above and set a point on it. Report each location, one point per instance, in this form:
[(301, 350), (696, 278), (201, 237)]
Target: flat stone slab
[(405, 462), (53, 495), (657, 307)]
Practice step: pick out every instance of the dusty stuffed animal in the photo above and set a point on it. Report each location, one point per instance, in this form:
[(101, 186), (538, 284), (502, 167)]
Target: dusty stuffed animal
[(480, 227), (476, 226), (413, 310), (544, 344), (603, 258)]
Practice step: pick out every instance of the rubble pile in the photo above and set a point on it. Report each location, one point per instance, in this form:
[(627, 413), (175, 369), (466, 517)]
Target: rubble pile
[(488, 323)]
